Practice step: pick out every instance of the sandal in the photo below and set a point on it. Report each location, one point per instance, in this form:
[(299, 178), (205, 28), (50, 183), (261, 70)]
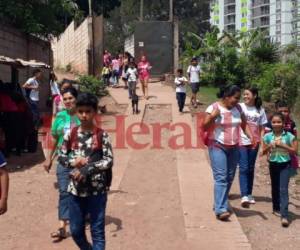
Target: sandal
[(60, 234)]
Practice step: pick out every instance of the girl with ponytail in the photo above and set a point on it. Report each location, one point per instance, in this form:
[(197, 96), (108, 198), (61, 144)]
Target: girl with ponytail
[(256, 119)]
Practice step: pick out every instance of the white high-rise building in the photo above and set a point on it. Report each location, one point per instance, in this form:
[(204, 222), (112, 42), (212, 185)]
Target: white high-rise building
[(279, 18)]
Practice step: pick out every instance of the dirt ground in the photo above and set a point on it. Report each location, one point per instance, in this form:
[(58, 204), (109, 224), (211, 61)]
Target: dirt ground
[(262, 228)]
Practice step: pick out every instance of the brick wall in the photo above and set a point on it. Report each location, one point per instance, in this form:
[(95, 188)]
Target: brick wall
[(72, 48), (16, 44)]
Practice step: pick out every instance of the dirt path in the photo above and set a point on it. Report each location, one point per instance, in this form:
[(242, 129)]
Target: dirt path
[(160, 198), (262, 228)]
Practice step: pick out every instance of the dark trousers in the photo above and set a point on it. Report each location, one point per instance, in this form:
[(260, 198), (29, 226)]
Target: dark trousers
[(280, 177), (95, 206), (180, 100), (35, 112)]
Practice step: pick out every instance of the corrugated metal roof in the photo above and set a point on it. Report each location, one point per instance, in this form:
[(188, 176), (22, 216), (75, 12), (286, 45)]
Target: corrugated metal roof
[(22, 63)]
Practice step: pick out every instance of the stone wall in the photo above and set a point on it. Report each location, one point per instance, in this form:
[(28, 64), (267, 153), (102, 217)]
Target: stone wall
[(71, 48)]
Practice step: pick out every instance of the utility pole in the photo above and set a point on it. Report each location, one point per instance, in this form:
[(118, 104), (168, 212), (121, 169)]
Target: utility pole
[(171, 12), (142, 10), (90, 7), (91, 39)]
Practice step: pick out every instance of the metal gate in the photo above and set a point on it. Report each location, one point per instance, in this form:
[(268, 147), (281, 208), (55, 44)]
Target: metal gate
[(154, 39)]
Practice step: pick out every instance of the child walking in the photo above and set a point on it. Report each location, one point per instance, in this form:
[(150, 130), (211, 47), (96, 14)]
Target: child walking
[(106, 74), (194, 78), (279, 144), (4, 183), (180, 82), (132, 76), (88, 151)]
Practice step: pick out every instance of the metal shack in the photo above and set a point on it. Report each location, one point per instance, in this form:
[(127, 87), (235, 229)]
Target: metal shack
[(158, 41)]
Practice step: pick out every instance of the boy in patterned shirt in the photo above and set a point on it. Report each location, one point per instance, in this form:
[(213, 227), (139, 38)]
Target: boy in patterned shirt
[(88, 151)]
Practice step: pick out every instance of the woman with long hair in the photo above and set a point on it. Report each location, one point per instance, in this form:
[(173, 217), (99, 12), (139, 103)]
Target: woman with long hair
[(64, 122), (256, 119), (144, 75), (226, 118)]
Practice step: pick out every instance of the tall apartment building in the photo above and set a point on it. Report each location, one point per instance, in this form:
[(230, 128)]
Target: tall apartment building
[(279, 18)]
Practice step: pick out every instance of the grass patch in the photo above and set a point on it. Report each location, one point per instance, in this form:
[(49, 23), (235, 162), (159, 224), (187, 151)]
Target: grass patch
[(206, 94)]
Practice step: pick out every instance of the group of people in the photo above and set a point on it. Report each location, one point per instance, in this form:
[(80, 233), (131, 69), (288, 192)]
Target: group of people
[(123, 66), (193, 71), (235, 133), (84, 160)]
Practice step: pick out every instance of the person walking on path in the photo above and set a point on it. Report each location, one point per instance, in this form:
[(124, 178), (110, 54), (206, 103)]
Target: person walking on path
[(126, 60), (106, 58), (88, 152), (144, 75), (180, 82), (132, 76), (256, 119), (225, 117), (194, 78), (31, 87), (58, 103), (64, 122), (4, 184), (115, 71), (53, 85), (289, 126), (279, 144)]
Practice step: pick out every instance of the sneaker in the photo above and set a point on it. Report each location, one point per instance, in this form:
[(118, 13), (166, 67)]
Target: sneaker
[(245, 202), (223, 216), (276, 213), (251, 199), (284, 222)]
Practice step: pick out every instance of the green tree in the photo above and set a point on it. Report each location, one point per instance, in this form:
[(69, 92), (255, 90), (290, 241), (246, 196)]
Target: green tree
[(48, 17)]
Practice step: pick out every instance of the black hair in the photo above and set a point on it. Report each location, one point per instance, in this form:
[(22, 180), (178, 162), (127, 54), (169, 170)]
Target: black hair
[(281, 104), (53, 76), (278, 114), (87, 99), (194, 59), (70, 90), (258, 100), (180, 71), (228, 91), (36, 71)]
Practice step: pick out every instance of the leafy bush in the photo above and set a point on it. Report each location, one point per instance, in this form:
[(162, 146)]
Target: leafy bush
[(91, 84), (279, 82)]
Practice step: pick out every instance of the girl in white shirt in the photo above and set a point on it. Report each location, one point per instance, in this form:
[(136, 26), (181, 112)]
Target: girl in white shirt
[(256, 119), (225, 118)]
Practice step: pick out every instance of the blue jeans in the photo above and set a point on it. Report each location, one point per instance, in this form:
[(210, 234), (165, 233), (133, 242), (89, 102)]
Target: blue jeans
[(131, 88), (247, 165), (224, 162), (280, 177), (95, 206), (63, 179)]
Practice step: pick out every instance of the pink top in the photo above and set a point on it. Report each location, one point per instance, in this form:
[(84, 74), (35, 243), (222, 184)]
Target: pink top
[(106, 59), (115, 64), (143, 68), (58, 104)]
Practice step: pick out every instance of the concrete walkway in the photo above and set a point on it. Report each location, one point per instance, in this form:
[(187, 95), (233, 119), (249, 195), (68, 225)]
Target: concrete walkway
[(193, 177)]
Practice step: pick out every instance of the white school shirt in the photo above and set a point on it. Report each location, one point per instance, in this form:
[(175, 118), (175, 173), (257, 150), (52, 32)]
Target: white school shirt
[(227, 125), (34, 93), (255, 119), (180, 88), (54, 88), (132, 74), (194, 72)]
